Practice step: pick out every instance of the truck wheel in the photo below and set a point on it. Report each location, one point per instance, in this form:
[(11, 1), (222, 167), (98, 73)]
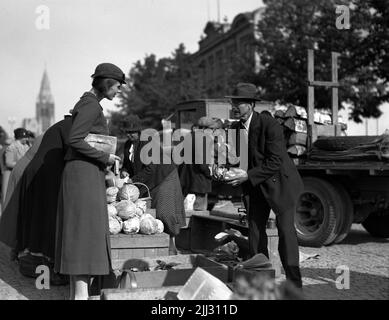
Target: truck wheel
[(377, 224), (342, 143), (346, 214), (315, 218)]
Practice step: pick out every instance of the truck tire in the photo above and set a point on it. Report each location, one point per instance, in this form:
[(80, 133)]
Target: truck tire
[(346, 214), (342, 143), (315, 217), (377, 224)]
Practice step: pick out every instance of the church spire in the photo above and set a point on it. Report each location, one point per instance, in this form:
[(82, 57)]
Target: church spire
[(45, 104), (45, 95)]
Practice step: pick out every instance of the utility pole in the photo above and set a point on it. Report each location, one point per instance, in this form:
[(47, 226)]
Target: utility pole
[(218, 11)]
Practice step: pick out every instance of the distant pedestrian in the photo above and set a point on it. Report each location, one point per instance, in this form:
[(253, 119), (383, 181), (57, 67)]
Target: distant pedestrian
[(13, 153)]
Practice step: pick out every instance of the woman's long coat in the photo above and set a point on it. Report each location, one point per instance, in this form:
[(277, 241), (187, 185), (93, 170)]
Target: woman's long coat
[(83, 243)]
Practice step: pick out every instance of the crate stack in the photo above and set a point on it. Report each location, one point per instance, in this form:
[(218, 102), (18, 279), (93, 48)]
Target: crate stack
[(294, 121)]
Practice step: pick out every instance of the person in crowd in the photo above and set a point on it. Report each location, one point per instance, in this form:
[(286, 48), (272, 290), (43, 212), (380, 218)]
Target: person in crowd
[(13, 153), (31, 137), (36, 228), (195, 177), (133, 128), (83, 243), (165, 188), (4, 142), (270, 180)]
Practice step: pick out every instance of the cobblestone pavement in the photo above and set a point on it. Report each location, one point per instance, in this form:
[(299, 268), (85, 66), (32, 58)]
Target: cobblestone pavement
[(366, 257)]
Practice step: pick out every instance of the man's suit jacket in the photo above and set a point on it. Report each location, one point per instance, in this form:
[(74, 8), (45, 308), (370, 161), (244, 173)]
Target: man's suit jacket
[(269, 166), (127, 164)]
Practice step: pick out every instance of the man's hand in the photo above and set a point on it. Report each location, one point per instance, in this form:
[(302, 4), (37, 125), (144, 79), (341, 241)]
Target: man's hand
[(124, 174), (238, 179)]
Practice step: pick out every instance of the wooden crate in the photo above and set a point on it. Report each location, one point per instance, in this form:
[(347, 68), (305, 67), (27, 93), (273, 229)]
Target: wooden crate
[(125, 247), (132, 285), (183, 238)]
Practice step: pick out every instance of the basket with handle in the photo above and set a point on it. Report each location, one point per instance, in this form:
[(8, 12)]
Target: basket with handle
[(146, 199)]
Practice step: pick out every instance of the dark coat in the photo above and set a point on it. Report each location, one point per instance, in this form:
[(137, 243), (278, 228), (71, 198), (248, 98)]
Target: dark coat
[(195, 178), (83, 242), (39, 192), (269, 166), (165, 189)]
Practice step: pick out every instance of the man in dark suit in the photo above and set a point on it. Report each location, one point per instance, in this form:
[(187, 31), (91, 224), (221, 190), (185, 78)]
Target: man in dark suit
[(133, 128), (270, 180)]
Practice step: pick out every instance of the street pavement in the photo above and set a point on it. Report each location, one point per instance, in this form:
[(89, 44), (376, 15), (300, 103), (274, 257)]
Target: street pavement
[(366, 259)]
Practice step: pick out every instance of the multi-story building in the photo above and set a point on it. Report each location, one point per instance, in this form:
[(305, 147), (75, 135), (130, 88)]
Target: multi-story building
[(220, 48)]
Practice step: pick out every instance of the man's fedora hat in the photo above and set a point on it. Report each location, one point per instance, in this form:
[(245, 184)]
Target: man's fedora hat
[(245, 91), (20, 133), (109, 70)]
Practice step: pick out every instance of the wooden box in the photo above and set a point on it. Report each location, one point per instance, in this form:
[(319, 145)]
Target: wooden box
[(132, 285), (125, 247)]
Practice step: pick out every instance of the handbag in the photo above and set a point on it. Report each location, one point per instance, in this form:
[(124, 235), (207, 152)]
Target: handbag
[(101, 142)]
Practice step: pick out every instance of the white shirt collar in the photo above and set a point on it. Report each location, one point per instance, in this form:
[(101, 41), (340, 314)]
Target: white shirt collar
[(247, 123)]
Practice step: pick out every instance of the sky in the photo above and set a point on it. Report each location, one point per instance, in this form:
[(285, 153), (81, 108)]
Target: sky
[(84, 33)]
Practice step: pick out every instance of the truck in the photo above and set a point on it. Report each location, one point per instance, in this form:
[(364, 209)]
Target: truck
[(337, 193)]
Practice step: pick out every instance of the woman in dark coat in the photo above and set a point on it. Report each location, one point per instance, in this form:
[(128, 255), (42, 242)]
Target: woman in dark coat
[(39, 192), (166, 193), (83, 243)]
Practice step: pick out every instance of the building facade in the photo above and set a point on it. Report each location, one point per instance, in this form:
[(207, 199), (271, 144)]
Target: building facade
[(222, 48)]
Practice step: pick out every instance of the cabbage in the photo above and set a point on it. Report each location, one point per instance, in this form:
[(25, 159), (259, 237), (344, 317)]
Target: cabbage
[(160, 226), (131, 225), (148, 224), (112, 191), (141, 204), (129, 192), (126, 209), (139, 212), (112, 210), (115, 225), (111, 199)]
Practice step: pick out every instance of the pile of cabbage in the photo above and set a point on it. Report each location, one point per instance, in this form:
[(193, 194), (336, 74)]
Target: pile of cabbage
[(127, 213)]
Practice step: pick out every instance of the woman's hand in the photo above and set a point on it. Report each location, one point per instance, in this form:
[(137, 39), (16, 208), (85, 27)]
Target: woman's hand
[(113, 158), (124, 174)]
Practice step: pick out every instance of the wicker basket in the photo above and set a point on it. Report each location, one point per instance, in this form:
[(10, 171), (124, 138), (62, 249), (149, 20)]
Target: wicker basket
[(146, 199)]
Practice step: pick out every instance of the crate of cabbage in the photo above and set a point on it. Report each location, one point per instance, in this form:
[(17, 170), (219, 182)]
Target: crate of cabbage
[(134, 230)]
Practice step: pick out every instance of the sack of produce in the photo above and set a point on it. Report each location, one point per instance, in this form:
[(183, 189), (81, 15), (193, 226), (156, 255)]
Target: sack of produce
[(160, 226), (115, 224), (131, 226), (148, 224), (126, 209), (129, 192), (112, 210)]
